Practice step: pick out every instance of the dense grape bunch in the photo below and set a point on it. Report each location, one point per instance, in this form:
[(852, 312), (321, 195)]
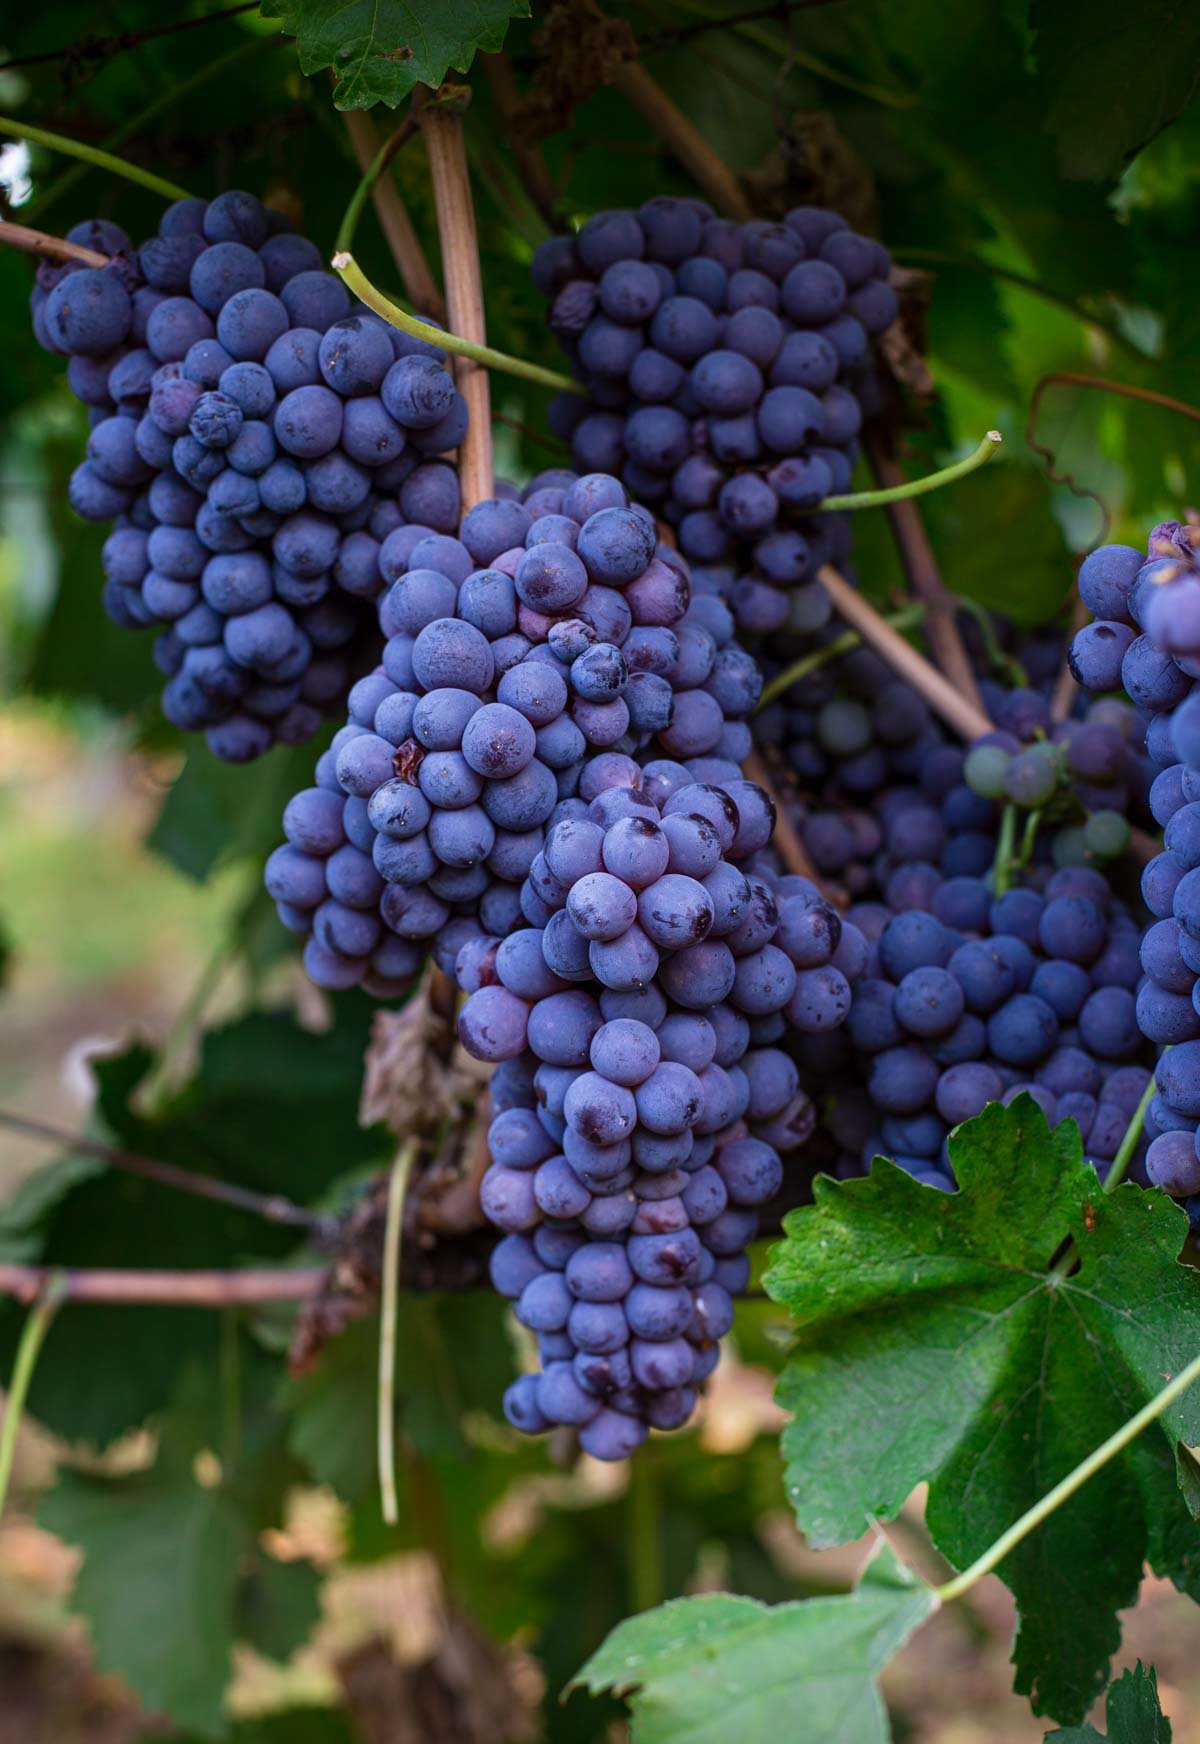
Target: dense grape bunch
[(255, 439), (640, 1100), (886, 802), (968, 998), (724, 365), (1145, 640), (528, 662)]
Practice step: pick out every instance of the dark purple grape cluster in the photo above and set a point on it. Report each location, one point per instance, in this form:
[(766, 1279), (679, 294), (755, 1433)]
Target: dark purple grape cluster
[(885, 800), (255, 439), (725, 372), (970, 998), (541, 783), (525, 662), (640, 1099), (1145, 640)]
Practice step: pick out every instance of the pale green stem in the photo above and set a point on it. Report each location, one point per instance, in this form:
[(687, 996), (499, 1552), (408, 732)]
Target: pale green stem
[(1129, 1143), (916, 487), (388, 1314), (103, 160), (1008, 668), (33, 1333), (906, 619), (1028, 838), (1002, 865), (357, 282), (1074, 1480), (344, 241)]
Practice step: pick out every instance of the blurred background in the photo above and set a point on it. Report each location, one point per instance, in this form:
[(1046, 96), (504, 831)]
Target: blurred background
[(1043, 228)]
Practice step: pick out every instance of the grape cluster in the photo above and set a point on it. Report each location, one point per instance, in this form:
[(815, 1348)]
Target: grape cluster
[(527, 662), (639, 1101), (255, 440), (885, 802), (723, 364), (972, 998), (1145, 640)]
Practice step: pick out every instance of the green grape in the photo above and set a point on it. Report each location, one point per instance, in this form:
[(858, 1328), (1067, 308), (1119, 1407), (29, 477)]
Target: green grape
[(1070, 847), (1106, 834), (1031, 777), (985, 769), (844, 728)]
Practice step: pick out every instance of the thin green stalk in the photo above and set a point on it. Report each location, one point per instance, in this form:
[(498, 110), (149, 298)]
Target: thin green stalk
[(360, 285), (1005, 847), (1129, 1143), (1006, 666), (646, 1587), (905, 619), (1028, 838), (1075, 1480), (917, 487), (33, 1333), (344, 241), (388, 1313), (167, 98), (103, 160)]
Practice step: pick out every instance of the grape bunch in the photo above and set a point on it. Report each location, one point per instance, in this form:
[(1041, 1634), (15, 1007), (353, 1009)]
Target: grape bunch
[(971, 997), (527, 662), (724, 368), (1144, 639), (255, 440), (885, 802), (639, 1102)]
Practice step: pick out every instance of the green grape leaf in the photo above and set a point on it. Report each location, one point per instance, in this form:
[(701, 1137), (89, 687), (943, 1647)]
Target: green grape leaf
[(706, 1669), (379, 49), (1138, 66), (212, 815), (278, 1604), (933, 1343), (158, 1583), (1133, 1714)]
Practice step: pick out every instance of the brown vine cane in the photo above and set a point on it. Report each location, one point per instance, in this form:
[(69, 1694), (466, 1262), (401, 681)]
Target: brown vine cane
[(441, 125)]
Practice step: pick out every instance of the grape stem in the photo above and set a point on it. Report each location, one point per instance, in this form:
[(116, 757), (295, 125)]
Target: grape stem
[(133, 1287), (1074, 1480), (360, 285), (380, 160), (441, 124), (33, 1334), (272, 1207), (942, 696), (388, 1314), (1007, 668), (925, 579), (1002, 866), (916, 487), (646, 1589), (1129, 1143), (683, 139), (37, 242), (907, 618), (92, 154)]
